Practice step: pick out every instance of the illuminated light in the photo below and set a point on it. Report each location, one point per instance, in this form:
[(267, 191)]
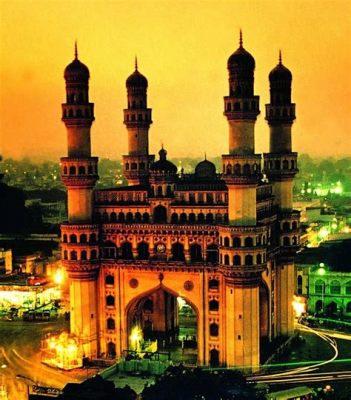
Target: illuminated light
[(347, 229), (58, 278), (321, 270), (299, 306), (334, 225), (136, 337), (309, 190), (323, 233)]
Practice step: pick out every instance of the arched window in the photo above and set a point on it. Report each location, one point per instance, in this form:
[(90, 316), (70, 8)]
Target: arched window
[(104, 217), (90, 170), (213, 284), (129, 217), (237, 169), (143, 251), (294, 241), (229, 169), (111, 324), (182, 218), (83, 238), (200, 218), (174, 218), (237, 104), (83, 255), (236, 242), (335, 287), (319, 306), (126, 250), (226, 259), (286, 241), (109, 280), (64, 238), (212, 253), (319, 287), (159, 191), (111, 350), (348, 287), (218, 218), (72, 170), (195, 253), (177, 252), (348, 307), (137, 217), (248, 242), (127, 166), (113, 217), (248, 260), (146, 217), (73, 255), (192, 218), (286, 226), (65, 255), (213, 305), (81, 170), (160, 214), (73, 238), (214, 358), (64, 170), (110, 301), (294, 225), (214, 329), (92, 238), (148, 306), (93, 255), (236, 260), (209, 218), (226, 242), (246, 169), (121, 217), (285, 164), (259, 259), (299, 284)]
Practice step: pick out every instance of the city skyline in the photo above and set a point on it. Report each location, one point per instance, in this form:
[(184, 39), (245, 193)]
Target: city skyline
[(37, 41)]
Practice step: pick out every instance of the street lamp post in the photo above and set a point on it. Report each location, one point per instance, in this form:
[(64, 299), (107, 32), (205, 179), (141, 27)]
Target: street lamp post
[(321, 272)]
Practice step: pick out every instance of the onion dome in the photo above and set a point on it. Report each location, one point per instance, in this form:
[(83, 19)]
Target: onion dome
[(76, 70), (280, 73), (241, 59), (136, 80), (205, 169), (163, 165)]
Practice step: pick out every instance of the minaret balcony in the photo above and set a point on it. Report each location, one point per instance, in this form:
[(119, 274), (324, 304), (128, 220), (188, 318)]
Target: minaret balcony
[(241, 169), (280, 165), (78, 114), (78, 171), (236, 108), (137, 117), (280, 113)]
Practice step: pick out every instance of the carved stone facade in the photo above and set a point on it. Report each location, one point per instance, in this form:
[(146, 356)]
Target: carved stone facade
[(224, 242)]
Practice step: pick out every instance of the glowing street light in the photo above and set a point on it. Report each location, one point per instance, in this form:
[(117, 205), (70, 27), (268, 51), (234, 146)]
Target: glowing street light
[(58, 277)]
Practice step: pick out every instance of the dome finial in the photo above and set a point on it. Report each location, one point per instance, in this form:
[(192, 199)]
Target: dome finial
[(205, 156), (241, 38), (280, 57), (136, 63), (75, 50)]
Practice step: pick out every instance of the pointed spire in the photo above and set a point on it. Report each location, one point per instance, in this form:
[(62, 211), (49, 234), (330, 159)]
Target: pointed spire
[(205, 156), (280, 57), (136, 63), (75, 50), (241, 38)]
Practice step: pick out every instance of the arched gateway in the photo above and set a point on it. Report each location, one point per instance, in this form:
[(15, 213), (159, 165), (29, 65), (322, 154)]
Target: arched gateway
[(202, 259)]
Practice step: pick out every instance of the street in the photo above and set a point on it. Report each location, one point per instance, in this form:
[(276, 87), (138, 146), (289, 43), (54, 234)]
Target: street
[(20, 355)]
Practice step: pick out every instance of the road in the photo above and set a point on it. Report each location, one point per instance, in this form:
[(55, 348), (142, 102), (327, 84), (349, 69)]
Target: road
[(20, 352)]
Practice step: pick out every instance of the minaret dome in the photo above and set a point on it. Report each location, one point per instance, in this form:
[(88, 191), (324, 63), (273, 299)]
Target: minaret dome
[(76, 71)]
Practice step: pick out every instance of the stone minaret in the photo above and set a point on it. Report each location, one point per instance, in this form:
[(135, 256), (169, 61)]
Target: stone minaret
[(137, 118), (242, 255), (80, 235), (280, 166)]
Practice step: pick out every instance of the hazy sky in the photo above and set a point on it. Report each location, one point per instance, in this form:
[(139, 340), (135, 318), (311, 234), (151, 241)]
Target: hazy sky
[(182, 48)]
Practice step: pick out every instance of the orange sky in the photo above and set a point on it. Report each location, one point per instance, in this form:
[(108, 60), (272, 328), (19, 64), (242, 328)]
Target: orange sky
[(182, 47)]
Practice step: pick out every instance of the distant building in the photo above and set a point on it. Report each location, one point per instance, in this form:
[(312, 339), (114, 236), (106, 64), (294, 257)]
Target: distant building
[(5, 261), (324, 278), (224, 242)]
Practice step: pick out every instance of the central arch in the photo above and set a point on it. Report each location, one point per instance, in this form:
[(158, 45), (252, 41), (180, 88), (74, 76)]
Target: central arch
[(161, 319)]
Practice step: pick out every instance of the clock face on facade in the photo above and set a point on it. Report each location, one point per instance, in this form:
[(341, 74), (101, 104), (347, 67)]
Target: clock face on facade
[(160, 248)]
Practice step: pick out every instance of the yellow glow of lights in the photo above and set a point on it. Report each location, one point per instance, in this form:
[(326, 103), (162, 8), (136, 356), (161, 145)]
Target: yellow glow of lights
[(299, 306), (136, 337), (58, 278)]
